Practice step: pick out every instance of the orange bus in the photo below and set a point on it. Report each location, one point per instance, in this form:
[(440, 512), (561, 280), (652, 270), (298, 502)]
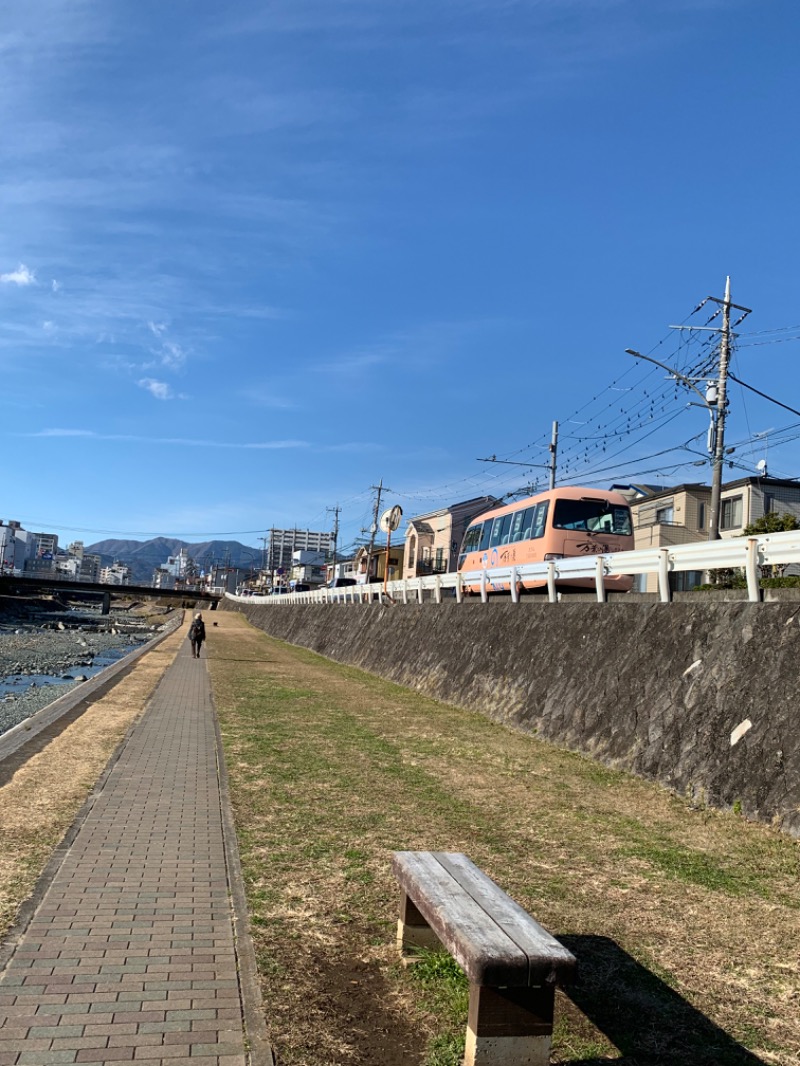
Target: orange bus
[(552, 525)]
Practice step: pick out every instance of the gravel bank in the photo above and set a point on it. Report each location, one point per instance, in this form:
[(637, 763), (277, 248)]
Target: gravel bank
[(44, 654)]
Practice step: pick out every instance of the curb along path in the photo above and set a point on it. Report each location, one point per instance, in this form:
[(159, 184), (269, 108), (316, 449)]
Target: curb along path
[(131, 954)]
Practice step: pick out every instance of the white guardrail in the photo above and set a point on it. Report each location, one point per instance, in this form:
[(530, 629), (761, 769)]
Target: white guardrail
[(748, 553)]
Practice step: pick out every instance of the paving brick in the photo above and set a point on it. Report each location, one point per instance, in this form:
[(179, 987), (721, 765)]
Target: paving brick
[(130, 955)]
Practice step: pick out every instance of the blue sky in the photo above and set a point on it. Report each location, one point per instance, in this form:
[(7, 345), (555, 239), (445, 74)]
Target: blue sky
[(256, 257)]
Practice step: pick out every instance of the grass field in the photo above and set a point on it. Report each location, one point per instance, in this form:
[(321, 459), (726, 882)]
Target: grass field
[(685, 921)]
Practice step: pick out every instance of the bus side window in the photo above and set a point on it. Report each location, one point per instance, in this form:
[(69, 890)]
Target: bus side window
[(485, 535), (499, 530), (520, 527), (473, 539), (540, 519)]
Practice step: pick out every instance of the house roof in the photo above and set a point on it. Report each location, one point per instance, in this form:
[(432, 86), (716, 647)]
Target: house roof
[(484, 502), (699, 488)]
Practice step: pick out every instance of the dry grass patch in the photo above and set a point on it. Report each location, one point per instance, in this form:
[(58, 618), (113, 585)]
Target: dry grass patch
[(42, 794), (686, 922)]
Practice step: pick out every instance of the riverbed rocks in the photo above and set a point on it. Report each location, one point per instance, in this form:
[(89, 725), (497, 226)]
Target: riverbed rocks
[(42, 657)]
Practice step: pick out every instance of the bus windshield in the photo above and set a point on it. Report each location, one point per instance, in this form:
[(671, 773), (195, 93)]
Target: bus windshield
[(592, 516)]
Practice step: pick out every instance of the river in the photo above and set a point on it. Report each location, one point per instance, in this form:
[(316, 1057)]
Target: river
[(46, 650)]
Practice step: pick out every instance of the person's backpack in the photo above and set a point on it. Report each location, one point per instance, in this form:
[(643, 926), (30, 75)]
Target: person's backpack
[(194, 630)]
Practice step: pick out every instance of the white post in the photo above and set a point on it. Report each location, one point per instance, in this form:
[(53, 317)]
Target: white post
[(663, 575), (514, 593), (459, 591), (599, 579), (751, 569), (438, 589), (551, 582), (484, 595)]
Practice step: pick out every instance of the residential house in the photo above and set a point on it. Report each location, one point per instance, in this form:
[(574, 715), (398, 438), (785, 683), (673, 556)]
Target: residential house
[(344, 570), (378, 564), (681, 514), (433, 540)]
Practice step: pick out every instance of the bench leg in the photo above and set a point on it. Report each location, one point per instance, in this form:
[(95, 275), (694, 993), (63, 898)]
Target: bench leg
[(412, 929), (509, 1026)]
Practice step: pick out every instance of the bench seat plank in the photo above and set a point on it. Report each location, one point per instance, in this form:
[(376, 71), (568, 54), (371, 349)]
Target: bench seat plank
[(485, 952), (548, 960), (490, 936)]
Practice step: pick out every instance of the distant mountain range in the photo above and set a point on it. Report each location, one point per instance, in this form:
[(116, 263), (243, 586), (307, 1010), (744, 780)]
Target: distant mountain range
[(143, 557)]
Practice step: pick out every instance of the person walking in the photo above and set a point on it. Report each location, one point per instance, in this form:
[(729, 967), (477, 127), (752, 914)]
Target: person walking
[(197, 634)]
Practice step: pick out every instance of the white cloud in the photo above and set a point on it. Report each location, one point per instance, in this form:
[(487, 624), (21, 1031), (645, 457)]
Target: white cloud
[(20, 276), (180, 441), (64, 433), (56, 285), (159, 389)]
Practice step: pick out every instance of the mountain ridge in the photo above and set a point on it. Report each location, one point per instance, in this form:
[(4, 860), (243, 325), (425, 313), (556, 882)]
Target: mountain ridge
[(143, 557)]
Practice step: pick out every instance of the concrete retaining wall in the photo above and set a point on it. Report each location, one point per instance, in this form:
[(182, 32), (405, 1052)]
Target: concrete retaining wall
[(663, 690)]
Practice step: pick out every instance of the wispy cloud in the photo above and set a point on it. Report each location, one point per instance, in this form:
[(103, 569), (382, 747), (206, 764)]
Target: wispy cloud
[(268, 398), (20, 276), (169, 353), (184, 442)]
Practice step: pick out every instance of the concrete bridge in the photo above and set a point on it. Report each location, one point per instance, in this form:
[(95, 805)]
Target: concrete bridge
[(27, 586)]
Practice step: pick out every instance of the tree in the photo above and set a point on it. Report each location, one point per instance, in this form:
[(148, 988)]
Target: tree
[(772, 522)]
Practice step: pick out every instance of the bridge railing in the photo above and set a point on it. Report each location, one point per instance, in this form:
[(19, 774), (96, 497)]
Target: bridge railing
[(746, 553)]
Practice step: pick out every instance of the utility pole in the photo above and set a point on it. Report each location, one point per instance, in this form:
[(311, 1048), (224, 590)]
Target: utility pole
[(553, 446), (378, 489), (335, 534), (716, 397), (719, 422)]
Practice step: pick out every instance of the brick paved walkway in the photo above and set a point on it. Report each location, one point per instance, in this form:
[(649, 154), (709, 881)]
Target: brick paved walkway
[(130, 955)]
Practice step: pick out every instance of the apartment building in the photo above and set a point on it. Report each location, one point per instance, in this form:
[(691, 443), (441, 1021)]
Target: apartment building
[(283, 543), (17, 547), (116, 574)]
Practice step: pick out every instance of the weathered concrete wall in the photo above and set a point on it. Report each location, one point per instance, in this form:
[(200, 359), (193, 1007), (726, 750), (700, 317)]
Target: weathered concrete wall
[(657, 689)]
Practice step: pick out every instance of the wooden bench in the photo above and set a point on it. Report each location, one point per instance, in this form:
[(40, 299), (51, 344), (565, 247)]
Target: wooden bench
[(513, 965)]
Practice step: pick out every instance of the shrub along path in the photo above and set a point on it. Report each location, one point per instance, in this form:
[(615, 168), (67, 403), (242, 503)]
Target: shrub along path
[(685, 921)]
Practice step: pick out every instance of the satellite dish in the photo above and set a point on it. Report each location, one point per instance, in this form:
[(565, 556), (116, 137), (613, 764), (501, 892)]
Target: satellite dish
[(390, 519), (761, 466)]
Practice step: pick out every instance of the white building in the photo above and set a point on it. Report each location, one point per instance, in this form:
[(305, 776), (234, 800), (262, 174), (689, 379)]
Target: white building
[(17, 547), (283, 543), (116, 574), (163, 579)]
